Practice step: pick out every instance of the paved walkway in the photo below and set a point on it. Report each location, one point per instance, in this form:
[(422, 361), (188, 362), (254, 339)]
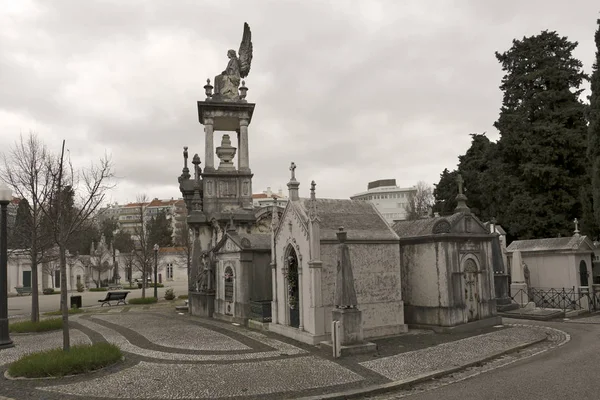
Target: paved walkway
[(175, 356)]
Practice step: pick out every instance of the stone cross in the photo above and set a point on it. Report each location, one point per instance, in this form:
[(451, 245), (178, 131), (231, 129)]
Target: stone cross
[(576, 225), (293, 169), (460, 181)]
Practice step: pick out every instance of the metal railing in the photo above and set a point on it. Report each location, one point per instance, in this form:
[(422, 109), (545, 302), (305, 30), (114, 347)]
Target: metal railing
[(565, 299)]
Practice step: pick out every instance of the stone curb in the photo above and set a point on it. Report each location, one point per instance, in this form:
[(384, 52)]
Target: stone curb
[(397, 385)]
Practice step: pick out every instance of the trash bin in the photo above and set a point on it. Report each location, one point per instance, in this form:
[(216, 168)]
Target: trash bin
[(75, 301)]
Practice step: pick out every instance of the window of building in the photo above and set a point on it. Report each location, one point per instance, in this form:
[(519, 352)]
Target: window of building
[(170, 271)]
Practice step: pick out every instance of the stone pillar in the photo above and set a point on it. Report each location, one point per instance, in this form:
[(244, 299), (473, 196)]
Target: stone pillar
[(518, 288), (300, 295), (243, 158), (209, 148), (274, 310)]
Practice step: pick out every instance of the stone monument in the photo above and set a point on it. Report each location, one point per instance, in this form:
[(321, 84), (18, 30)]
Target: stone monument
[(518, 287), (214, 194), (346, 310)]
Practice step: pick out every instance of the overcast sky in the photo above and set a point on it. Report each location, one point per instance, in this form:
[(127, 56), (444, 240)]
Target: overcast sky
[(351, 91)]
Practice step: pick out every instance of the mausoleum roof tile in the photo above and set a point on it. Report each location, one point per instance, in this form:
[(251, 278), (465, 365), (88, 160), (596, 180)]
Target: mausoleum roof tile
[(422, 227), (358, 217), (563, 243), (258, 241)]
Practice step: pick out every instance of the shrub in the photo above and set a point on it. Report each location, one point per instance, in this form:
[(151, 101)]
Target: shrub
[(159, 285), (183, 297), (56, 362), (142, 300), (71, 311), (48, 291), (44, 325), (169, 294), (80, 287), (98, 289)]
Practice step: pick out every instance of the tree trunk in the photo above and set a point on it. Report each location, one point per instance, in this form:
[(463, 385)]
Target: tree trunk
[(63, 297), (35, 301), (144, 281)]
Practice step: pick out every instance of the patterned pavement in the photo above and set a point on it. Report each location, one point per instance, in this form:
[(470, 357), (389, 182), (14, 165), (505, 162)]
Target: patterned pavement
[(173, 356)]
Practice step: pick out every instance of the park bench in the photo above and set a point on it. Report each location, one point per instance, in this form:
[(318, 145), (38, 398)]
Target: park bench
[(119, 297), (23, 290)]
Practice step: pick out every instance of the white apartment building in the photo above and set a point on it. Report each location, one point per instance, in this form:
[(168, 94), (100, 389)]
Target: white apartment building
[(265, 199), (389, 199)]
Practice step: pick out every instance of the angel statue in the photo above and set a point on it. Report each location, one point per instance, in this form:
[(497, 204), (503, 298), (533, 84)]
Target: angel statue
[(226, 84)]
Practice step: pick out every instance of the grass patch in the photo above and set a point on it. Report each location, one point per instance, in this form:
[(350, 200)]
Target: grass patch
[(158, 285), (98, 289), (44, 325), (56, 362), (145, 300), (71, 311), (131, 287), (183, 297)]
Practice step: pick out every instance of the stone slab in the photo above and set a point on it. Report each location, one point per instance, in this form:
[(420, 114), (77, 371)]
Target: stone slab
[(469, 326), (353, 349), (537, 314)]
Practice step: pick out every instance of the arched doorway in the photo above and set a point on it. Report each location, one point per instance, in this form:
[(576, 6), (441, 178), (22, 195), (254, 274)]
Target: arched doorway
[(471, 282), (583, 274), (293, 292)]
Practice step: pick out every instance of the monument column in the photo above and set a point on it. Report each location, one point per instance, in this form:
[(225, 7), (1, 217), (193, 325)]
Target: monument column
[(301, 292), (244, 162), (209, 148)]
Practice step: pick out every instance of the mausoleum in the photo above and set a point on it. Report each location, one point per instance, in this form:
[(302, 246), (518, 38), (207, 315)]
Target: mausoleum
[(304, 266), (447, 270)]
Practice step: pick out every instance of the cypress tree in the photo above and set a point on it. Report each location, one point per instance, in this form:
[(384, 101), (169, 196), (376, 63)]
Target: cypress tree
[(594, 132), (543, 136)]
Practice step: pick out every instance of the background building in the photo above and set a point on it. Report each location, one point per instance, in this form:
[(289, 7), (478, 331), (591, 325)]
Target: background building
[(265, 199), (389, 199)]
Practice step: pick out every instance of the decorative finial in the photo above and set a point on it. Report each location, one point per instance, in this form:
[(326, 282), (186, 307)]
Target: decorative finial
[(243, 91), (197, 170), (231, 226), (460, 181), (208, 89), (293, 169), (312, 190), (576, 226)]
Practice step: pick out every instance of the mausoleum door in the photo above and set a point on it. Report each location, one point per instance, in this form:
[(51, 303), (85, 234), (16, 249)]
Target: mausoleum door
[(583, 274), (471, 285), (293, 292), (228, 287)]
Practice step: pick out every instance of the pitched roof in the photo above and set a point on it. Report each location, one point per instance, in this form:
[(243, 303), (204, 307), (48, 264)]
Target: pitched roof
[(563, 243), (359, 218), (422, 227), (256, 241), (499, 229)]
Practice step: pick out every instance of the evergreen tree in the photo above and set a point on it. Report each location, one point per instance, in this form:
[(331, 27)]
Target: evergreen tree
[(108, 227), (542, 126), (160, 231), (20, 237), (445, 193), (594, 134)]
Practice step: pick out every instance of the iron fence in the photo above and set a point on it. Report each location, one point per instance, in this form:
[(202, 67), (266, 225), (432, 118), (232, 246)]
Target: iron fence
[(566, 299)]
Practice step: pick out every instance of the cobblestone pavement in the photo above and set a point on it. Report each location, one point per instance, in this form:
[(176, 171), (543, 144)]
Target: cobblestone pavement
[(174, 356)]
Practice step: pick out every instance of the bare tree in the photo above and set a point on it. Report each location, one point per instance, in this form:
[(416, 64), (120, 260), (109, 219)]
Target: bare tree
[(100, 261), (26, 172), (143, 250), (420, 201), (74, 198)]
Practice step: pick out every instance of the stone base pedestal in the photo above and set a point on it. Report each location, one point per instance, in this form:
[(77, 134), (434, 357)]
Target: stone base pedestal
[(351, 329), (201, 304), (351, 350)]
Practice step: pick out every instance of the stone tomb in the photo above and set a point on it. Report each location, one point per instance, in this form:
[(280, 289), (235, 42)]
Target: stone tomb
[(447, 274), (243, 276), (305, 255)]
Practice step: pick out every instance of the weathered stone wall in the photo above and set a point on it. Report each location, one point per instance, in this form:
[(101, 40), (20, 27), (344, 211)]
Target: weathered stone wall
[(553, 269), (434, 283), (377, 280)]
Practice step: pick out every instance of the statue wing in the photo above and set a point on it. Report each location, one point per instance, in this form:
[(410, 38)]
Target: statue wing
[(245, 52)]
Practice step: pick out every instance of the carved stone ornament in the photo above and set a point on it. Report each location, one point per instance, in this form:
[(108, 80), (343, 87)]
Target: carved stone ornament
[(245, 242), (228, 82), (442, 226)]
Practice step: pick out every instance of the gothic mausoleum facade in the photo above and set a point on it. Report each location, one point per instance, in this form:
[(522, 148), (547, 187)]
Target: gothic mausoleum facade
[(304, 266)]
